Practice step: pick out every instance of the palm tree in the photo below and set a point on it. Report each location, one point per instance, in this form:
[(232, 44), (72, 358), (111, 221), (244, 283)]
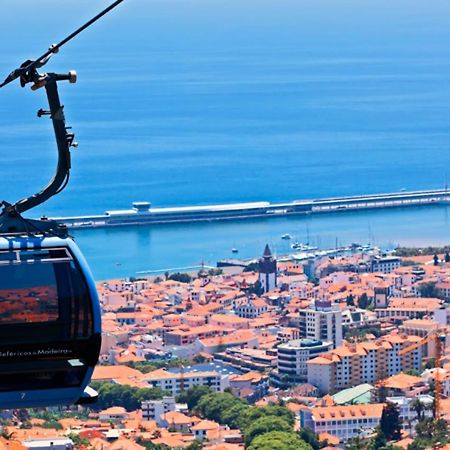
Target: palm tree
[(419, 408)]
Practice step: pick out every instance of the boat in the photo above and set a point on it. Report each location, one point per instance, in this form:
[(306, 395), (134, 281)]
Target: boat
[(286, 236), (303, 247), (234, 250)]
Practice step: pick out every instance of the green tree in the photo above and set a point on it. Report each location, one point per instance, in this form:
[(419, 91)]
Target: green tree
[(417, 444), (78, 441), (279, 440), (265, 425), (447, 257), (232, 416), (428, 289), (419, 408), (214, 406), (129, 397), (256, 412), (152, 446), (363, 301), (256, 288), (310, 438), (180, 277), (193, 395), (390, 425), (350, 300), (379, 441), (252, 267), (429, 432)]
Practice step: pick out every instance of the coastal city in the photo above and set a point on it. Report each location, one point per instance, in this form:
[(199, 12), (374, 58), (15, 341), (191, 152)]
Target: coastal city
[(333, 352), (250, 247)]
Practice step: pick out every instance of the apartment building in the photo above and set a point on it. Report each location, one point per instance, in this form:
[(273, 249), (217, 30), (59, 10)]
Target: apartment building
[(421, 328), (409, 307), (113, 414), (246, 359), (408, 413), (251, 308), (292, 359), (443, 289), (344, 422), (321, 322), (185, 335), (251, 385), (385, 264), (366, 362), (174, 383), (156, 409)]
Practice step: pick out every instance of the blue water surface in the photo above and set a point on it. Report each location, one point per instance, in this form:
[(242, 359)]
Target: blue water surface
[(184, 102)]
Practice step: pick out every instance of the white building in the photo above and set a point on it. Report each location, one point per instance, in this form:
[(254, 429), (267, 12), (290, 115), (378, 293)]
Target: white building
[(323, 322), (114, 414), (175, 383), (408, 414), (344, 422), (365, 362), (156, 409), (252, 308), (293, 357), (385, 264), (56, 443)]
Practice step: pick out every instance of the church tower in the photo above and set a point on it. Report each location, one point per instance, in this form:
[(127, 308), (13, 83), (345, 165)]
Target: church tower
[(268, 270), (204, 276)]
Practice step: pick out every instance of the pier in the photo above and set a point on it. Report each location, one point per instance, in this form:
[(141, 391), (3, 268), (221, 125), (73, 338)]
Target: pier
[(142, 213)]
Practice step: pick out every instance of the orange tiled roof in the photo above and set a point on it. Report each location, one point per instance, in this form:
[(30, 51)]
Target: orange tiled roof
[(324, 413), (113, 372), (402, 381)]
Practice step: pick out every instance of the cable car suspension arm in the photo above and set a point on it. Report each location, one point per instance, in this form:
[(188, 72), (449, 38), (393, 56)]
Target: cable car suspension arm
[(28, 73)]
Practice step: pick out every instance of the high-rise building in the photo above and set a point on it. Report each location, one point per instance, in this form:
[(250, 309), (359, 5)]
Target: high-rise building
[(292, 358), (268, 270), (365, 362), (322, 322)]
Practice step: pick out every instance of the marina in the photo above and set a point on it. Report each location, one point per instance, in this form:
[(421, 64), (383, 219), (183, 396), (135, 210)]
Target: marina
[(178, 245), (142, 213)]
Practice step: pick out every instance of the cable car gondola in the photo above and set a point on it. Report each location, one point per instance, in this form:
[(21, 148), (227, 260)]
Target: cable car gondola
[(49, 322), (50, 327)]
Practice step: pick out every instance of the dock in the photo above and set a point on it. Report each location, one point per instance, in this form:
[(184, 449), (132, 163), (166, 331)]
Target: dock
[(142, 213)]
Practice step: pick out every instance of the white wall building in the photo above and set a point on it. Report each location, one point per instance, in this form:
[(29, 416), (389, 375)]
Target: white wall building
[(408, 415), (293, 357), (48, 444), (175, 383), (344, 422), (155, 409), (323, 322), (252, 308), (365, 362), (385, 264)]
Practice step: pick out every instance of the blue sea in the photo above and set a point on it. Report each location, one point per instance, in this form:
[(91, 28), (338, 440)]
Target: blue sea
[(183, 102)]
